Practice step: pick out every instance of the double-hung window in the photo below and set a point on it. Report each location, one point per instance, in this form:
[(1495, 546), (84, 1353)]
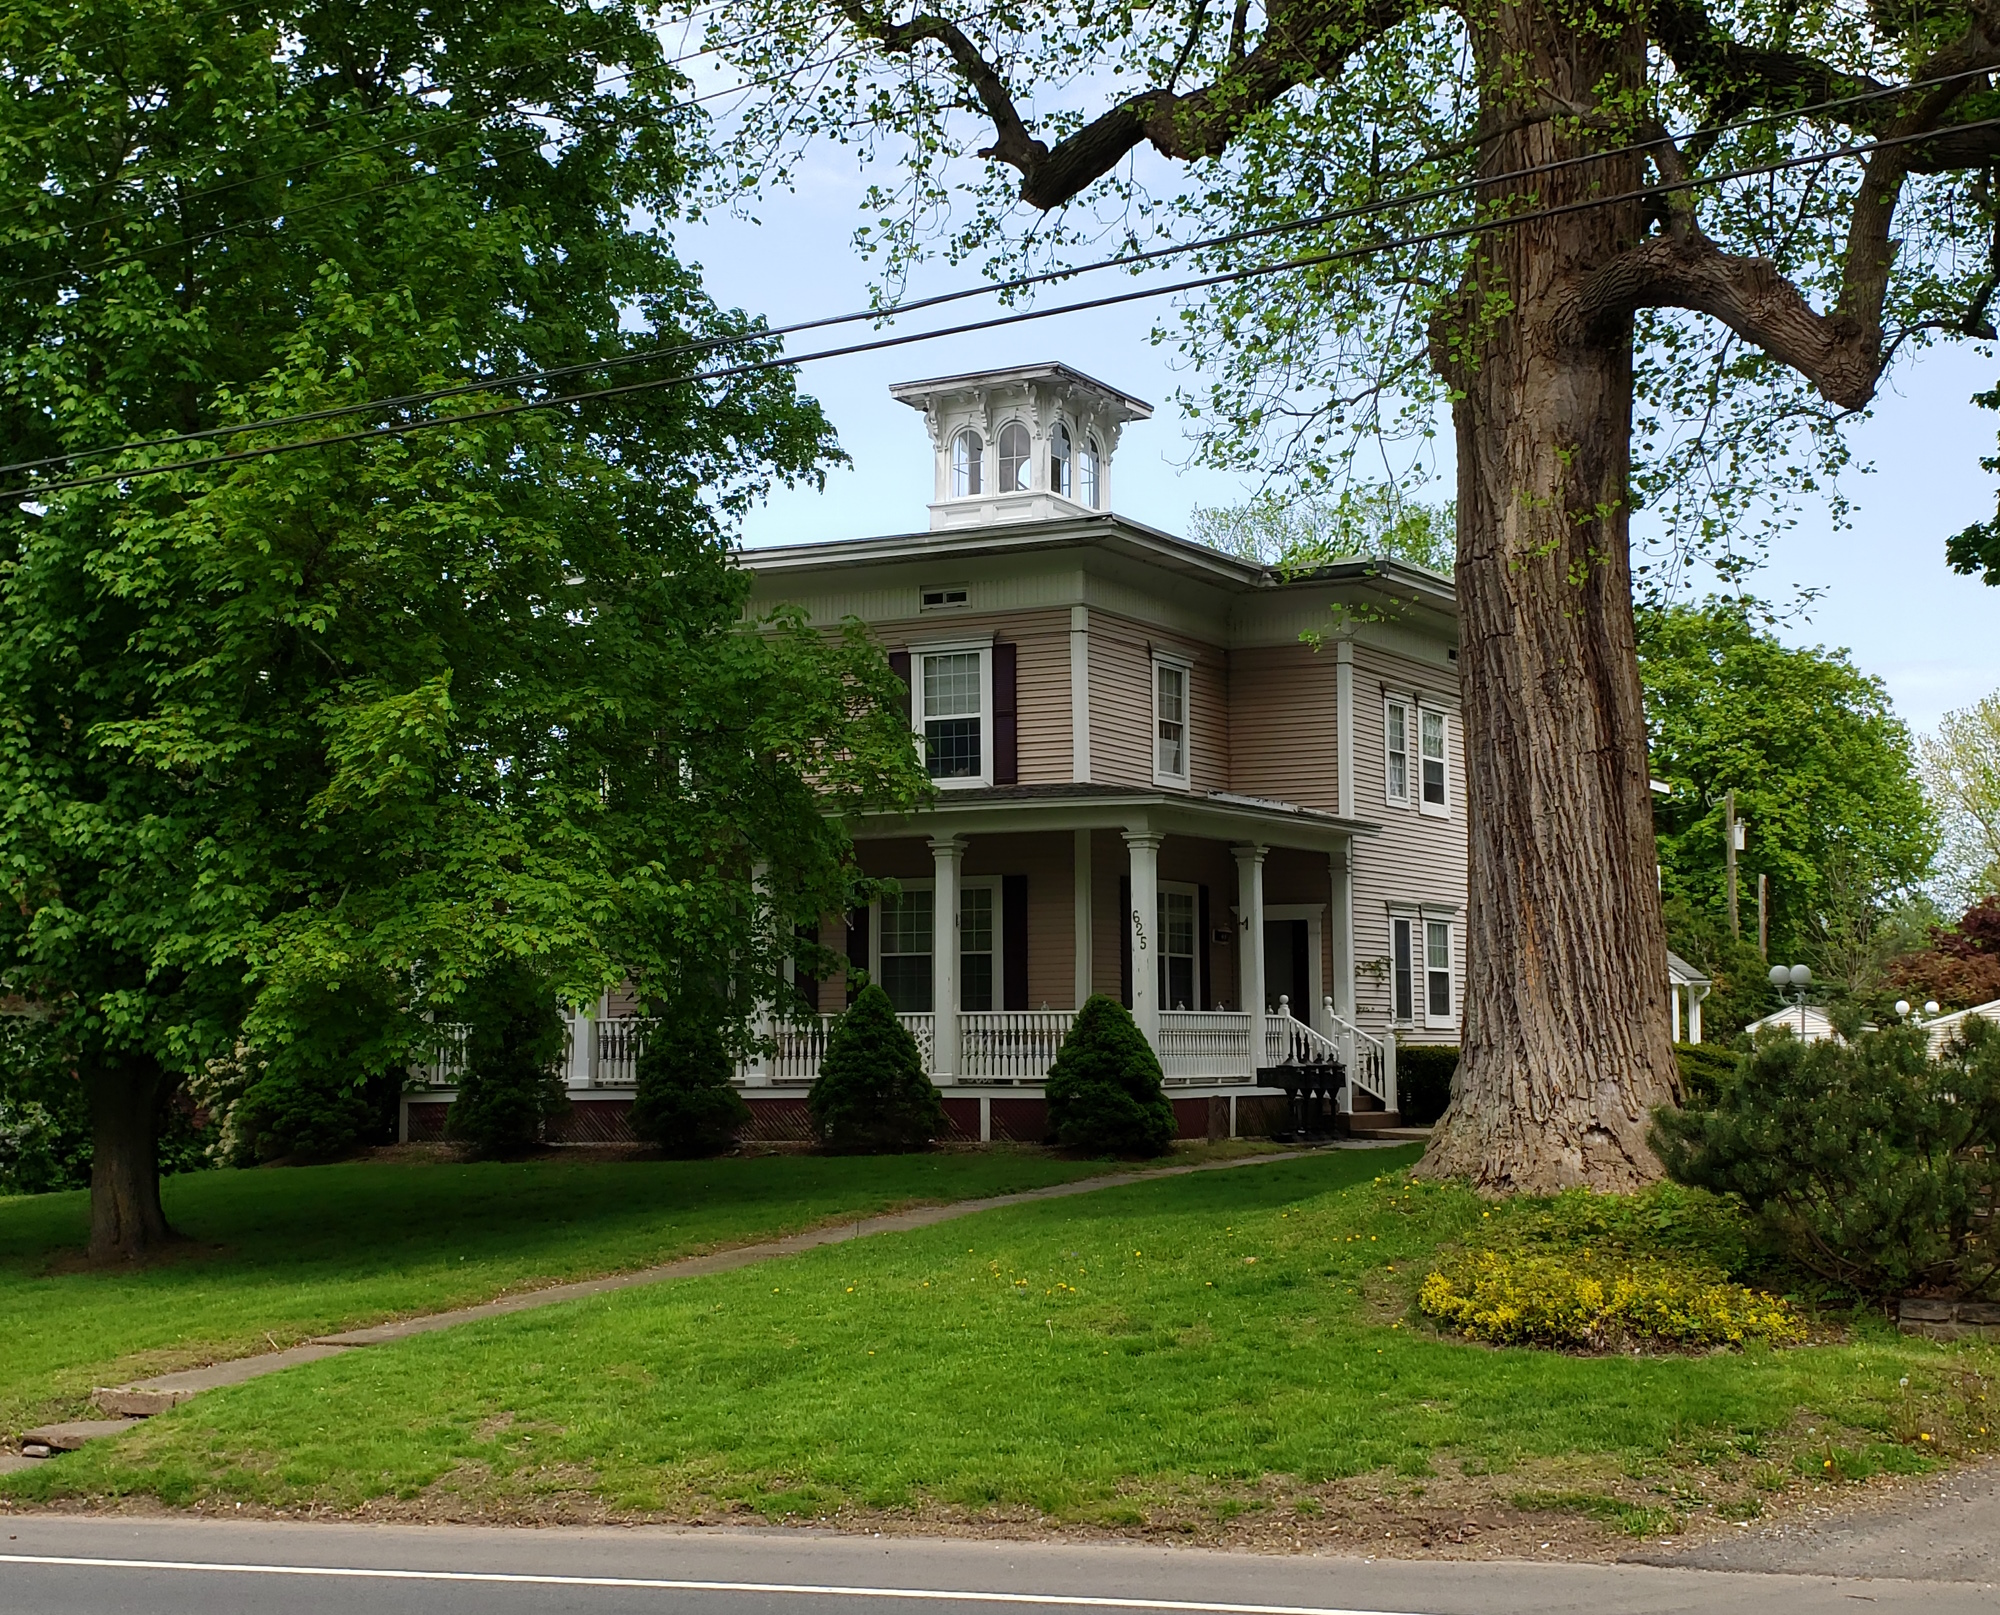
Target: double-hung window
[(1437, 971), (1178, 977), (908, 932), (1436, 795), (952, 697), (978, 948), (1402, 983), (1396, 745), (1170, 722)]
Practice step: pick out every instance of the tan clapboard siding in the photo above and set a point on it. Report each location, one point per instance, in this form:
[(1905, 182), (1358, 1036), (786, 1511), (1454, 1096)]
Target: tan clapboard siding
[(1121, 703), (1283, 707), (1041, 676), (1045, 859), (1414, 859)]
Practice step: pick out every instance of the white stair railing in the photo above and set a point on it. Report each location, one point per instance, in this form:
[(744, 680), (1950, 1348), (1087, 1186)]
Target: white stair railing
[(1291, 1041), (1370, 1062)]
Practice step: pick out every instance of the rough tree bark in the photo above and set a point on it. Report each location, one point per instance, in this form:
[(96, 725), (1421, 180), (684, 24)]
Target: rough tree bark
[(125, 1091), (1566, 1047)]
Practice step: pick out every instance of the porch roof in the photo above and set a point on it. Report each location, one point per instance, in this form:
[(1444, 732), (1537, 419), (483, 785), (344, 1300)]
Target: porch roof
[(1217, 815)]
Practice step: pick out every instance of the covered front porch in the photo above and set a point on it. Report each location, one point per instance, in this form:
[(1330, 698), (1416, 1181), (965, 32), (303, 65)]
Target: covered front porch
[(1223, 923)]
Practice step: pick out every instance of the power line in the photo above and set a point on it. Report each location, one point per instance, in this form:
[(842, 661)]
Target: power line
[(987, 288), (138, 253), (1201, 283)]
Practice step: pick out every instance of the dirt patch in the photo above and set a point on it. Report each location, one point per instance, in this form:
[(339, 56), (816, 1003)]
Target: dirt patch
[(176, 1252)]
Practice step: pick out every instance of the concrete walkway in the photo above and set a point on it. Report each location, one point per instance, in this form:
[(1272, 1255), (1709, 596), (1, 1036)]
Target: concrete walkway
[(129, 1403)]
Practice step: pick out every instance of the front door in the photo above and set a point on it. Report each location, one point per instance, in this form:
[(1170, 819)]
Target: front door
[(1287, 967)]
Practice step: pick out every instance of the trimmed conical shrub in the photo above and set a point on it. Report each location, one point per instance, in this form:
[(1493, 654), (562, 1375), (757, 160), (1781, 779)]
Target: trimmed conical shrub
[(685, 1103), (872, 1096), (511, 1087), (1104, 1091)]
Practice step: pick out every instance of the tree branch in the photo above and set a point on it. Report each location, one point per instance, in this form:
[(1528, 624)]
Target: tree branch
[(1303, 41)]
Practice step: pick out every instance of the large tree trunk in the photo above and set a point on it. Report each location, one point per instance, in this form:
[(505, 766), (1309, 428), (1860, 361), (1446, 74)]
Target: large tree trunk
[(125, 1092), (1566, 1046)]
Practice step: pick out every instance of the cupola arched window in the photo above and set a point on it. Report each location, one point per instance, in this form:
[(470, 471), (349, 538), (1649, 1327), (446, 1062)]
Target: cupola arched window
[(1014, 462), (1086, 473), (1059, 462), (966, 453)]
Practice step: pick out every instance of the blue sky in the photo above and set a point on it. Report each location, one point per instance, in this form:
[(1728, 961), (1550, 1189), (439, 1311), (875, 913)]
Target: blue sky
[(1933, 637)]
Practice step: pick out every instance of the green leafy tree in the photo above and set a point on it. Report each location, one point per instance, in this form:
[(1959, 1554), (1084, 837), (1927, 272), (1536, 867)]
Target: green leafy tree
[(685, 1102), (1105, 1091), (1365, 520), (1523, 212), (872, 1094), (378, 716), (1824, 778), (1962, 774)]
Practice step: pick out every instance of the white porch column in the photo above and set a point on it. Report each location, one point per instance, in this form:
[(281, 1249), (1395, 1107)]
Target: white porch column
[(1143, 847), (1694, 1012), (1674, 999), (1340, 930), (1250, 956), (1080, 863), (947, 853)]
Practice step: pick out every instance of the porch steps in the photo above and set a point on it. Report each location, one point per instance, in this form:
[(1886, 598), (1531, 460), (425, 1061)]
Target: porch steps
[(1375, 1121)]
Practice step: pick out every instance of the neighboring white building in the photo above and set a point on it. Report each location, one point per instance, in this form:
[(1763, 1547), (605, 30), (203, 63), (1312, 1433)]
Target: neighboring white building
[(1945, 1027), (1807, 1022), (1686, 988)]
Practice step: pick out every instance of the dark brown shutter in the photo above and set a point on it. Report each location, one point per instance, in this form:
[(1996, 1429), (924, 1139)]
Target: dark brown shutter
[(1014, 939), (1125, 940), (1006, 726), (857, 949), (1201, 946), (899, 664)]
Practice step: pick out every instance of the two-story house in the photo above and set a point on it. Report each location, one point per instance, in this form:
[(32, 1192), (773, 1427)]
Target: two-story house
[(1231, 796)]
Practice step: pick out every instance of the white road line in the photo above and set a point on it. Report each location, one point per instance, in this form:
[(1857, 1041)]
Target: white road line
[(664, 1584)]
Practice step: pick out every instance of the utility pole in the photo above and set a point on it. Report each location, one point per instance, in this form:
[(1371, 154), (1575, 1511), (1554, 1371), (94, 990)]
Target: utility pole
[(1764, 915), (1729, 858)]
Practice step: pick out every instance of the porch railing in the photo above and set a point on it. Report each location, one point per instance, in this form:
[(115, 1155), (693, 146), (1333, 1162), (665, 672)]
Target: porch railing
[(1205, 1043), (1370, 1062), (447, 1061), (1291, 1041), (997, 1045), (802, 1045), (618, 1040)]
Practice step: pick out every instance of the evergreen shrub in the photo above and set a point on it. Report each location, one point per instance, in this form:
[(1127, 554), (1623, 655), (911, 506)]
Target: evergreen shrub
[(1704, 1068), (1423, 1080), (511, 1088), (300, 1112), (685, 1102), (1104, 1090), (1867, 1162), (872, 1096)]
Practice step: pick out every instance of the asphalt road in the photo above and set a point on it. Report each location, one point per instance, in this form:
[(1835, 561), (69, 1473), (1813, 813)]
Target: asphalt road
[(121, 1566)]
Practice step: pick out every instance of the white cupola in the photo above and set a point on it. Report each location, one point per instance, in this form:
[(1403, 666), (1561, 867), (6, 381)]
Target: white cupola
[(1031, 443)]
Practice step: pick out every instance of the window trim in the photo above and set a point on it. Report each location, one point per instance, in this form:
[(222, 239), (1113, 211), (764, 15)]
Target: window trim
[(1408, 920), (1392, 703), (992, 883), (1027, 461), (957, 647), (975, 464), (1431, 1020), (1192, 892), (1184, 665), (1434, 810)]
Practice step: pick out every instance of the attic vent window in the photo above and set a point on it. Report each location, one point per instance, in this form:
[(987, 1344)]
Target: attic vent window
[(943, 599)]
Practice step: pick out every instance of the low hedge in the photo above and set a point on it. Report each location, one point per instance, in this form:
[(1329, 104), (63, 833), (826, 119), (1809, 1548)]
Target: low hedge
[(1423, 1080), (1577, 1302), (1704, 1068)]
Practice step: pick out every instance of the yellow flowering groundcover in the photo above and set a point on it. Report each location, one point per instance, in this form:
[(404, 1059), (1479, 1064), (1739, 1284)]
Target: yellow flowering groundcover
[(1576, 1301)]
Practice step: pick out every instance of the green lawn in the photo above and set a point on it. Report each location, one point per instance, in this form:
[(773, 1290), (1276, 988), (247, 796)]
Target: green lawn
[(1172, 1351), (278, 1255)]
